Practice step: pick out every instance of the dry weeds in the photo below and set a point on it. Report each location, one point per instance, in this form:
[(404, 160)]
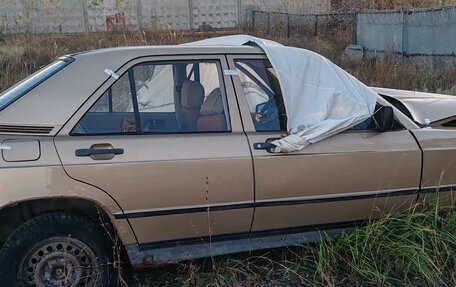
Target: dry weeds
[(20, 55)]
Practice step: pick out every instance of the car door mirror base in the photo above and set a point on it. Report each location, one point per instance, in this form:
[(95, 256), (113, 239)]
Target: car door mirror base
[(384, 118)]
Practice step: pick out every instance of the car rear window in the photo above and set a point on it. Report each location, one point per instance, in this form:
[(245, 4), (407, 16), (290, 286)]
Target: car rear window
[(32, 82)]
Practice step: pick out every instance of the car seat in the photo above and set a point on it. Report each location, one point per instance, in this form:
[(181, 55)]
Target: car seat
[(192, 98), (212, 113)]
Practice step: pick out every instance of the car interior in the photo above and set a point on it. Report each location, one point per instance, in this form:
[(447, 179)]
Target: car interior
[(193, 108)]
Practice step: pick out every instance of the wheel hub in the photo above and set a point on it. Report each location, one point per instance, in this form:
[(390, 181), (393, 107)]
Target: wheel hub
[(59, 269), (58, 262)]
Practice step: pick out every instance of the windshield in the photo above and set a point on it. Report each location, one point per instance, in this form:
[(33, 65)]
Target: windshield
[(32, 82)]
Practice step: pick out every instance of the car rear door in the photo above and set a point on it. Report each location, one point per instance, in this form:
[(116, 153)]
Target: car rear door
[(341, 180), (166, 142)]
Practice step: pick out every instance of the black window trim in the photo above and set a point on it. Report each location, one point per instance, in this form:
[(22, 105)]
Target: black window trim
[(266, 89), (110, 100), (134, 98), (136, 107)]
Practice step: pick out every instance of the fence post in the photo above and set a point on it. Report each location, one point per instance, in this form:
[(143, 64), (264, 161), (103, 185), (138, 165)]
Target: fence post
[(28, 17), (239, 18), (190, 15), (139, 15), (316, 26), (403, 33), (253, 20), (86, 16), (355, 28), (288, 25)]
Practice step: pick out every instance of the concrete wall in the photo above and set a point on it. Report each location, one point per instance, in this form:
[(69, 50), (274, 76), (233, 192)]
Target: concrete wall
[(352, 5), (70, 16), (287, 6), (420, 32), (65, 16), (291, 6)]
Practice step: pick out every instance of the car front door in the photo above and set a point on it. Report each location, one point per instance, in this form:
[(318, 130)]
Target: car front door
[(339, 181), (165, 141)]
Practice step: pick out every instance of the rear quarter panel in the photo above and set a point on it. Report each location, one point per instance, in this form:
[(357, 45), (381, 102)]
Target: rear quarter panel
[(439, 160), (44, 178)]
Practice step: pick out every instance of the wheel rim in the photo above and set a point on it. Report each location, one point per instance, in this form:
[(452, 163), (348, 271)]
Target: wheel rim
[(59, 261)]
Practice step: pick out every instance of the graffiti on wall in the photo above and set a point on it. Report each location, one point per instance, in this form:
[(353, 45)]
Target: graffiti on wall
[(115, 22)]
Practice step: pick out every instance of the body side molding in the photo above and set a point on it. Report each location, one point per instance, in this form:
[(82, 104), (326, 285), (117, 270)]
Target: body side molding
[(270, 203)]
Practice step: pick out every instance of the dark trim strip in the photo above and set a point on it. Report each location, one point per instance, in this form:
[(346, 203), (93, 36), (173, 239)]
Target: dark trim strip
[(421, 153), (142, 214), (26, 129), (134, 98), (439, 189), (253, 234), (336, 199)]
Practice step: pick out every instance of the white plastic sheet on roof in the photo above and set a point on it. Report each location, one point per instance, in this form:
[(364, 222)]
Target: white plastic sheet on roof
[(320, 98)]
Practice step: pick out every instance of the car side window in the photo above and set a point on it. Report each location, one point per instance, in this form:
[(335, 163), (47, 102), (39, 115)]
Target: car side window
[(263, 94), (161, 97), (112, 113)]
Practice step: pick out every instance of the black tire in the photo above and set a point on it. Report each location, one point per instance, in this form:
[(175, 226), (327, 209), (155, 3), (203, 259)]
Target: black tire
[(49, 244)]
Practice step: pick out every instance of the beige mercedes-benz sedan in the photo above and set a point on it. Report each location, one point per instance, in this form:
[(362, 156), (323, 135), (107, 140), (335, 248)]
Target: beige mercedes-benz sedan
[(165, 152)]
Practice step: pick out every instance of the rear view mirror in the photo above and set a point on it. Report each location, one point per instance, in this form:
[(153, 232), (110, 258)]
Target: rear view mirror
[(384, 118)]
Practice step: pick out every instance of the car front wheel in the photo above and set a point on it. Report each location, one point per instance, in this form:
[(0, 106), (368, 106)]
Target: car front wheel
[(57, 249)]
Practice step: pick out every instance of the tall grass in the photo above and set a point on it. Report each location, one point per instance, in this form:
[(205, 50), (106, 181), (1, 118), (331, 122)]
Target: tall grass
[(416, 247), (23, 54)]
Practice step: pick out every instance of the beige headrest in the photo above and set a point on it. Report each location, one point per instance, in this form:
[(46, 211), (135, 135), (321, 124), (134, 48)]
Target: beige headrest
[(192, 94), (213, 103)]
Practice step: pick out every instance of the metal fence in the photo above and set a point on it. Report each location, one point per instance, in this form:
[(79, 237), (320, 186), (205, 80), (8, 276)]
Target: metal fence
[(315, 24), (407, 32)]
